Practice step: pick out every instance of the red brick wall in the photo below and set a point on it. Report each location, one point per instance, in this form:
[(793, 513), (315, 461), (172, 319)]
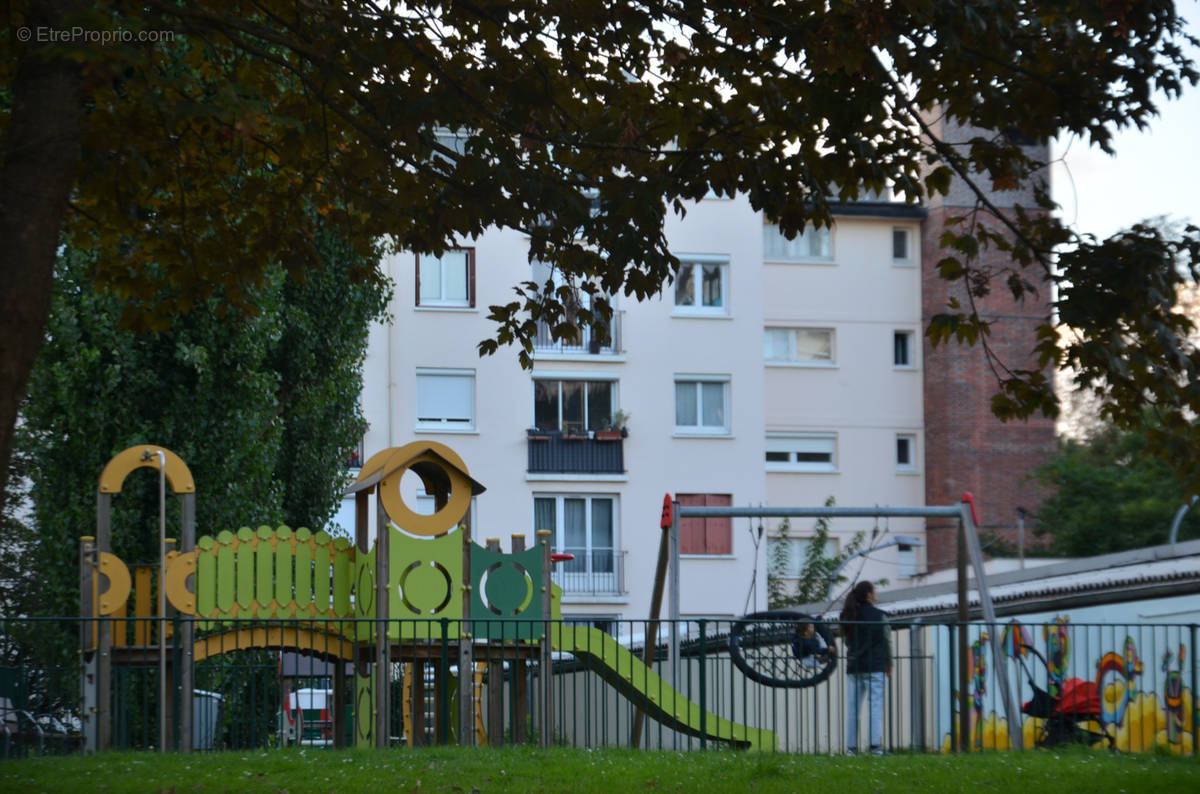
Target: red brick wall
[(966, 447)]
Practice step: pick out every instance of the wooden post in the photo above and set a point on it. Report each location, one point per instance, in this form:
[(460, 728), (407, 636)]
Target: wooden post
[(660, 577), (103, 635), (545, 656), (520, 711), (338, 718), (88, 650), (364, 722), (416, 705), (187, 684), (495, 686), (466, 645), (383, 656)]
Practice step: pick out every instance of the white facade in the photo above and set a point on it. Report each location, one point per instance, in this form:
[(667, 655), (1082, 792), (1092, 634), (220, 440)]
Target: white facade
[(709, 415), (866, 399)]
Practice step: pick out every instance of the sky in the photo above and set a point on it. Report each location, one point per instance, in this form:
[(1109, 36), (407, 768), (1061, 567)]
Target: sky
[(1154, 172)]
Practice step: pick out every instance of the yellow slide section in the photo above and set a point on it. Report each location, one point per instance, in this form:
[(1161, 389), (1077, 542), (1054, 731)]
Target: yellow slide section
[(636, 682)]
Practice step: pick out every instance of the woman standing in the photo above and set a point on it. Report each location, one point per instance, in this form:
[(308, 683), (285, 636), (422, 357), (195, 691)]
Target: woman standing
[(868, 662)]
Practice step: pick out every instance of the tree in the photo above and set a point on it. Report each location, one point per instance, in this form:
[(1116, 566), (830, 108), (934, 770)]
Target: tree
[(818, 568), (188, 144), (1109, 494), (262, 408)]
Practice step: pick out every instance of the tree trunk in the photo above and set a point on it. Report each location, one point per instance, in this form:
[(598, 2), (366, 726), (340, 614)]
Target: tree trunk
[(41, 159)]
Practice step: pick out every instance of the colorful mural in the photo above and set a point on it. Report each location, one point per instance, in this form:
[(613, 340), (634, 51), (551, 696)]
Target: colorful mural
[(1102, 697)]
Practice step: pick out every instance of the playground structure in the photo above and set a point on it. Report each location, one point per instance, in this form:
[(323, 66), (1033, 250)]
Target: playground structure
[(421, 587)]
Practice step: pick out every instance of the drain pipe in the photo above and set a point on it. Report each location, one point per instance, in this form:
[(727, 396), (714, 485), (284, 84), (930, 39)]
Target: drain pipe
[(1179, 514)]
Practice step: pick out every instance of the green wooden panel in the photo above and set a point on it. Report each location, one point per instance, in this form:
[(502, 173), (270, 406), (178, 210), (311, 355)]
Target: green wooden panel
[(245, 568), (283, 567), (434, 586), (343, 571), (303, 570), (321, 571), (364, 593), (364, 705), (512, 587), (206, 578), (226, 572), (264, 564)]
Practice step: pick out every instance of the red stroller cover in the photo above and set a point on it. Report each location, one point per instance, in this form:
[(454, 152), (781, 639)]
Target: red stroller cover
[(1079, 698)]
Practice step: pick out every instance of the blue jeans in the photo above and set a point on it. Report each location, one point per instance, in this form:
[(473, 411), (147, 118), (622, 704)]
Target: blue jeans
[(861, 687)]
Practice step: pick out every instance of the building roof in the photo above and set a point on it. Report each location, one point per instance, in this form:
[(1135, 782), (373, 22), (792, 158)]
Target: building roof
[(1154, 572), (877, 209)]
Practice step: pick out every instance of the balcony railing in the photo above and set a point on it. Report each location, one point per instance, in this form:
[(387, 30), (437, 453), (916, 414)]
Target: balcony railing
[(550, 452), (597, 572), (587, 344)]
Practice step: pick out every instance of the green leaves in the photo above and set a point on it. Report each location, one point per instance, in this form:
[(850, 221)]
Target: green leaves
[(1126, 303), (207, 157), (1112, 492), (263, 409)]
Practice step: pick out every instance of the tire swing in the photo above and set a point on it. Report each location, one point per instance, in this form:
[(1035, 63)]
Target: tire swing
[(783, 648)]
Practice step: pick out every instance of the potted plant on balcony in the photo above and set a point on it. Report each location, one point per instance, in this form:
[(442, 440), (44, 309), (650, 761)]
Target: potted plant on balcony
[(616, 429), (537, 434), (574, 431)]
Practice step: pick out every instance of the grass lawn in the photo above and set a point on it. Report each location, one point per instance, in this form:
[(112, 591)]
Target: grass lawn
[(610, 771)]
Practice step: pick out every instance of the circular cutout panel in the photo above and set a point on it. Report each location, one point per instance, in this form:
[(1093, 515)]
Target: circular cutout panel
[(425, 588), (506, 589)]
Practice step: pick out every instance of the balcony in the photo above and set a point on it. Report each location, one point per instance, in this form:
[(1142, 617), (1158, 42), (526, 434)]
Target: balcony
[(588, 343), (599, 572), (551, 452)]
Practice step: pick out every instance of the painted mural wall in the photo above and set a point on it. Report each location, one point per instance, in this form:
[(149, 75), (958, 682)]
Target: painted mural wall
[(1117, 675)]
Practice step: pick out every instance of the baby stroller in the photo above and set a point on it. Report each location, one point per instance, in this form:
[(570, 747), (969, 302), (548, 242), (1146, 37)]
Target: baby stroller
[(1062, 716)]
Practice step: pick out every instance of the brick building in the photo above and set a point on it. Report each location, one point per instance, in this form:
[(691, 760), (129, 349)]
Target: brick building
[(967, 448)]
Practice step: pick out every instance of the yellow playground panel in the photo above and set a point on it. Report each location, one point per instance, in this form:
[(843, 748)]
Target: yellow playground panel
[(420, 583)]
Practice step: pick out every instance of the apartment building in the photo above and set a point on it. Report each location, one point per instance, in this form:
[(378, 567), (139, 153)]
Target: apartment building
[(773, 372)]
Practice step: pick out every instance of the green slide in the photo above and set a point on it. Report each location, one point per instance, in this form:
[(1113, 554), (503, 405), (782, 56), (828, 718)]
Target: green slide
[(636, 682)]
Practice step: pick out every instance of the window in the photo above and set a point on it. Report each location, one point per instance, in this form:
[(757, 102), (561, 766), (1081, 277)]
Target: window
[(786, 556), (906, 561), (586, 527), (589, 334), (705, 535), (802, 452), (906, 453), (702, 405), (609, 624), (573, 404), (900, 252), (447, 280), (813, 346), (903, 354), (701, 285), (812, 243), (426, 505), (445, 399)]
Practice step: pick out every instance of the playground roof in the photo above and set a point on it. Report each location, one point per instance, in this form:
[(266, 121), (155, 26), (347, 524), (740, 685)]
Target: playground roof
[(423, 468)]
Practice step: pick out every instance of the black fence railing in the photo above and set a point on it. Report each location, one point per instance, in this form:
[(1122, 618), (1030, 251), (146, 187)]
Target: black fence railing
[(596, 572), (589, 341), (1127, 688), (552, 452)]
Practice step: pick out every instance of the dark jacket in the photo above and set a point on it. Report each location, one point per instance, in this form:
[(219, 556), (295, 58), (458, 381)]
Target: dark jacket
[(867, 648)]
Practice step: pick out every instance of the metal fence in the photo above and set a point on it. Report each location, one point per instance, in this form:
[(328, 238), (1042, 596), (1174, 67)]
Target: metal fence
[(265, 683)]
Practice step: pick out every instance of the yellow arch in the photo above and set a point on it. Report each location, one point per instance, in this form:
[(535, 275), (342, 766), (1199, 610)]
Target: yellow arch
[(281, 638), (146, 455)]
